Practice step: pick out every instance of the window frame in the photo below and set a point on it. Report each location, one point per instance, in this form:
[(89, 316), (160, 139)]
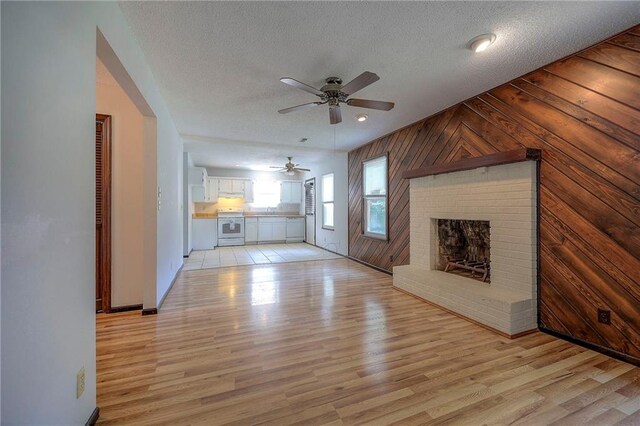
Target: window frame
[(365, 197), (332, 202)]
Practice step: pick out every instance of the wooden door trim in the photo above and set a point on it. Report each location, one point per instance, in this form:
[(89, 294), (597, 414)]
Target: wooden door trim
[(105, 229)]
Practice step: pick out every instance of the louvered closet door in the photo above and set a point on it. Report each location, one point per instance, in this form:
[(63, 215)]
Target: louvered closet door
[(103, 222)]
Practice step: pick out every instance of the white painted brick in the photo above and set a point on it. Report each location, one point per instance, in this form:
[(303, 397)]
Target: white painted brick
[(504, 195)]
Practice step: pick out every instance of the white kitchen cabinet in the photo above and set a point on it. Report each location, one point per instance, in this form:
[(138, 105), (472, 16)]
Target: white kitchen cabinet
[(212, 190), (285, 192), (198, 183), (225, 186), (231, 187), (198, 193), (290, 192), (295, 229), (265, 231), (197, 176), (272, 229), (248, 191), (237, 186), (296, 192), (204, 233), (250, 229), (280, 230)]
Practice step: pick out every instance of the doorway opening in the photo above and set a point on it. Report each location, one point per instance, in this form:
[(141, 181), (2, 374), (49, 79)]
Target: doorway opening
[(310, 211), (126, 262)]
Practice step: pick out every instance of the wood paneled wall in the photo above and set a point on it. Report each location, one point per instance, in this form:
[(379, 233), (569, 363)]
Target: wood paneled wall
[(583, 112)]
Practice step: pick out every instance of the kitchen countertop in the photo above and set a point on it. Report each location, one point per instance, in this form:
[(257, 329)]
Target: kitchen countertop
[(204, 216), (297, 215), (215, 215)]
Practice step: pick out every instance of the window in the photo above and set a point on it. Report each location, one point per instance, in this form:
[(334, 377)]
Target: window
[(266, 193), (374, 200), (327, 201)]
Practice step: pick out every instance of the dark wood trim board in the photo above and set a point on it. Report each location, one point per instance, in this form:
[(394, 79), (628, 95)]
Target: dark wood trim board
[(496, 159), (125, 308), (93, 419)]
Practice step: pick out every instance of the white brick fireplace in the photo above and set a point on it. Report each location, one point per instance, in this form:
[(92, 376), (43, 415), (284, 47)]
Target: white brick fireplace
[(505, 195)]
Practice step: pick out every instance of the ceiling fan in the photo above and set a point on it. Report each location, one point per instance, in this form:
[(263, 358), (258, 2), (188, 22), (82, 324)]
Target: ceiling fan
[(334, 93), (290, 168)]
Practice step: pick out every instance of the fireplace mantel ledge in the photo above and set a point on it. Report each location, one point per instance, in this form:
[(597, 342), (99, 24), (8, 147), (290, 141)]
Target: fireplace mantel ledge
[(507, 157)]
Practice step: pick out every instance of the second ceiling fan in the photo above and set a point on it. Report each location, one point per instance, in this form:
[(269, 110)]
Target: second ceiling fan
[(334, 93)]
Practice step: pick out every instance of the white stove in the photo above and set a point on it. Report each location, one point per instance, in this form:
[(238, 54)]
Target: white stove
[(231, 212), (231, 227)]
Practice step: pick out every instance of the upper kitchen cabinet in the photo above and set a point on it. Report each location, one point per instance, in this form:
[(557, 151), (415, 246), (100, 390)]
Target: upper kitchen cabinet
[(231, 187), (199, 194), (248, 191), (237, 186), (198, 176), (291, 192), (212, 194), (198, 180)]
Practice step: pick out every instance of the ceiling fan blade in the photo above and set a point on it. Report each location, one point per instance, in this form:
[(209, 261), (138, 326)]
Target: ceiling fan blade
[(335, 115), (299, 107), (366, 103), (303, 170), (295, 83), (360, 82)]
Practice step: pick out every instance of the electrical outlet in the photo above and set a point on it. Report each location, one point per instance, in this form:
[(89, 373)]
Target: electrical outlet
[(80, 383), (604, 316)]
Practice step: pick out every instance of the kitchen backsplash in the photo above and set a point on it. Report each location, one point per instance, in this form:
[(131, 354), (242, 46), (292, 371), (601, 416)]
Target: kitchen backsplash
[(224, 203)]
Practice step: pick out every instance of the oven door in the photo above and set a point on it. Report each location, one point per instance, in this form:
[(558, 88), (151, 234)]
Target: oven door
[(231, 227)]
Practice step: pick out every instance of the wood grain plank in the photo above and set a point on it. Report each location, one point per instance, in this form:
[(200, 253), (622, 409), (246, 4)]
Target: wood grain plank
[(583, 113)]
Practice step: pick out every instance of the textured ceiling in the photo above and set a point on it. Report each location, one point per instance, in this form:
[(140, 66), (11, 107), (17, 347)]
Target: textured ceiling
[(218, 64)]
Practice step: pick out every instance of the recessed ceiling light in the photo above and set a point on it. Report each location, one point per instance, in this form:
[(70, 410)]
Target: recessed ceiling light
[(362, 117), (237, 165), (480, 43)]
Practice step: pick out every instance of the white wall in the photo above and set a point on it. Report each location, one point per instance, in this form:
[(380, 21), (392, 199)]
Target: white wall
[(48, 293), (127, 189), (187, 206), (186, 231), (337, 239)]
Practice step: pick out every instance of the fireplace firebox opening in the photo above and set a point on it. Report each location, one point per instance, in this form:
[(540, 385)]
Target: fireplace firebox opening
[(464, 248)]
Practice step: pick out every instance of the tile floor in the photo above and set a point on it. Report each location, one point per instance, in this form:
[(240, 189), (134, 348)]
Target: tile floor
[(254, 255)]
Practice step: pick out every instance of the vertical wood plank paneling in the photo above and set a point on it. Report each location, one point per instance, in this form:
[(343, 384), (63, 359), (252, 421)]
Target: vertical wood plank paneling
[(583, 112)]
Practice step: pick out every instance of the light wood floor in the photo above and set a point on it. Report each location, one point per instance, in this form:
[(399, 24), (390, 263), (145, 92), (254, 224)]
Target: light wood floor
[(330, 342)]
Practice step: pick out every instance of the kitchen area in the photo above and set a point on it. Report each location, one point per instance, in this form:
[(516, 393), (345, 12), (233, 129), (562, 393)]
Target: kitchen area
[(240, 217)]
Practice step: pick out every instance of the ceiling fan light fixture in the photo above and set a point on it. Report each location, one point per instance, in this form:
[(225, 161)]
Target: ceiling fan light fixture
[(481, 42), (362, 117), (290, 173), (335, 93)]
